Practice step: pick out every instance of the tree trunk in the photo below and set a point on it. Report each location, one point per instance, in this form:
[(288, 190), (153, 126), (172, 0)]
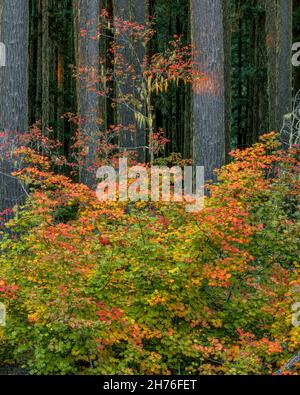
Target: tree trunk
[(227, 73), (13, 89), (45, 59), (279, 44), (132, 52), (209, 96), (86, 19)]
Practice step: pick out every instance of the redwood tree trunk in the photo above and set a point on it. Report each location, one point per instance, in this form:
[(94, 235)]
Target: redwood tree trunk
[(279, 44), (88, 53), (209, 95), (13, 89)]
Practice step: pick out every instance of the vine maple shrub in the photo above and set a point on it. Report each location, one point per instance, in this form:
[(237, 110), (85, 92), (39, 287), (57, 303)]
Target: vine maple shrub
[(139, 79), (147, 288)]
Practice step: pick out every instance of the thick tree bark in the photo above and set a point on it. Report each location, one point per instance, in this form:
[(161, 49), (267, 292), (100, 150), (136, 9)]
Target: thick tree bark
[(209, 95), (285, 27), (86, 19), (13, 89), (14, 80), (279, 44), (227, 73)]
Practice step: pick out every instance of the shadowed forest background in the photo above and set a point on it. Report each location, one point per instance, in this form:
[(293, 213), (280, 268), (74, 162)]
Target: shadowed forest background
[(146, 288)]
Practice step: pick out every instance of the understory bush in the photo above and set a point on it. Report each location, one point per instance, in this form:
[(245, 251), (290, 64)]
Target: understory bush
[(96, 287)]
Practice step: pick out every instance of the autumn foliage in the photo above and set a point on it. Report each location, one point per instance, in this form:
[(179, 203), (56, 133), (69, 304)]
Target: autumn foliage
[(146, 288)]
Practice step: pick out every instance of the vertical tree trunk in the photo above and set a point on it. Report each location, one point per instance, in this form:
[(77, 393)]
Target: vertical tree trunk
[(13, 88), (132, 52), (124, 84), (32, 60), (45, 59), (279, 43), (14, 81), (209, 96), (141, 11), (240, 134), (285, 27), (38, 71), (227, 73), (103, 50), (86, 18), (261, 94)]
